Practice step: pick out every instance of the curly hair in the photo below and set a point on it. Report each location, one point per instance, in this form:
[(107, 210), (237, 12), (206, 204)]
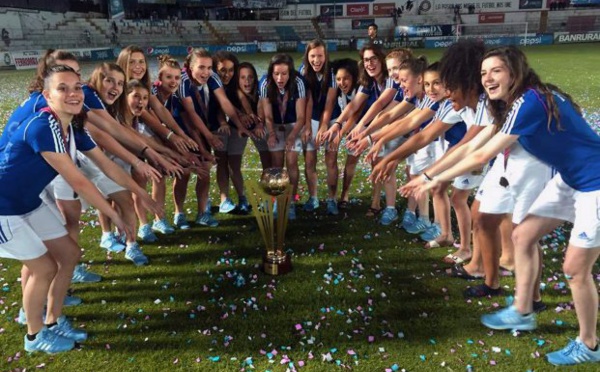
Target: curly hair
[(460, 66)]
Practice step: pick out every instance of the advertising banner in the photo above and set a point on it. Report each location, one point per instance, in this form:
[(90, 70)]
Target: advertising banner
[(480, 5), (530, 4), (332, 11), (7, 60), (384, 8), (267, 46), (425, 31), (353, 10), (102, 54), (27, 59), (543, 39), (115, 9), (362, 24), (491, 17), (566, 38), (293, 13)]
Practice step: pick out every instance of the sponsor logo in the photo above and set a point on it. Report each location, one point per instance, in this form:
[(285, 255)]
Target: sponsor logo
[(237, 49), (357, 9), (531, 41), (26, 61), (158, 50), (7, 59), (583, 236), (443, 44), (579, 38), (384, 8), (103, 54)]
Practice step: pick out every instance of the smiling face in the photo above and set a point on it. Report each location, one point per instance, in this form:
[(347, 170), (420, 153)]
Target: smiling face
[(226, 70), (246, 80), (64, 93), (344, 80), (170, 77), (281, 75), (393, 67), (372, 64), (201, 69), (496, 78), (433, 86), (137, 100), (112, 87), (316, 58), (137, 66), (411, 85), (458, 98)]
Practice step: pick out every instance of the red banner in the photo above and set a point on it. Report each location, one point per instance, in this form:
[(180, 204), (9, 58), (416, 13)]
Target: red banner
[(491, 17), (384, 8), (357, 10)]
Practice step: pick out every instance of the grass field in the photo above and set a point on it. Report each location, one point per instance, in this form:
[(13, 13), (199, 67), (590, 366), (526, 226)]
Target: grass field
[(361, 296)]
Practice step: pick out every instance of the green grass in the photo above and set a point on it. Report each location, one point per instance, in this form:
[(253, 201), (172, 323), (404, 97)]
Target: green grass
[(353, 281)]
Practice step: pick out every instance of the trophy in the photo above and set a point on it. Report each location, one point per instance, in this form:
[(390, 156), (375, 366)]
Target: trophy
[(274, 184)]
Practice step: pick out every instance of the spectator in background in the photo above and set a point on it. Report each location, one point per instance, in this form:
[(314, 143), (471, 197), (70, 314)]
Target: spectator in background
[(88, 36), (352, 43), (6, 37), (372, 32), (471, 9), (114, 27)]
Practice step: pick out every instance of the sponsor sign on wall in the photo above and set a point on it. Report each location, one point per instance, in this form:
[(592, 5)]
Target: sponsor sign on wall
[(530, 4), (480, 5), (566, 38), (353, 10), (27, 59), (491, 17), (6, 60), (362, 24), (544, 39), (384, 8), (293, 13), (332, 11), (425, 30)]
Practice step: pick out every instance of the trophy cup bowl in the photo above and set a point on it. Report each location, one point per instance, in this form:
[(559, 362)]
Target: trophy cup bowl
[(273, 183)]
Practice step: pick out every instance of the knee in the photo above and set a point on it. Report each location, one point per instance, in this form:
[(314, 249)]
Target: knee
[(574, 273), (523, 240)]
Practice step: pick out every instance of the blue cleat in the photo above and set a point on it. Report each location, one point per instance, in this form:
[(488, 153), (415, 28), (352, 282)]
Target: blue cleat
[(509, 319), (49, 342)]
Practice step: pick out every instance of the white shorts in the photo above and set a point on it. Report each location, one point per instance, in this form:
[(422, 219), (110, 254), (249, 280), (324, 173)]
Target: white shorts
[(422, 159), (494, 198), (282, 132), (232, 143), (391, 146), (62, 190), (22, 237), (467, 181), (105, 185), (559, 200), (314, 126)]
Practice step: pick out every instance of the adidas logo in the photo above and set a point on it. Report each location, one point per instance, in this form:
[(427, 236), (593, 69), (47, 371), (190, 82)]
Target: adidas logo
[(465, 181), (583, 235)]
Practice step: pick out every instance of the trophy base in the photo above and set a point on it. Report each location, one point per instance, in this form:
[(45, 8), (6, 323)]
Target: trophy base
[(277, 265)]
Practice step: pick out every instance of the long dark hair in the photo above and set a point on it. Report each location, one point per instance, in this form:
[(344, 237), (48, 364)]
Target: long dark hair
[(232, 87), (524, 78), (272, 91), (310, 75), (364, 78), (253, 97), (47, 61)]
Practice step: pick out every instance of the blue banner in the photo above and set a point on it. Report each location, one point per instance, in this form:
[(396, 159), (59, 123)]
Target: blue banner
[(543, 39), (103, 54), (115, 9), (424, 31)]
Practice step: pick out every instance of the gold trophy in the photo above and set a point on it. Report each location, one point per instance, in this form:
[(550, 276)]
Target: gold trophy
[(274, 182)]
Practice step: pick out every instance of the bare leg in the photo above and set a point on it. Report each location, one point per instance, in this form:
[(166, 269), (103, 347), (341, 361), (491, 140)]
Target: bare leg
[(291, 160), (332, 173), (441, 209), (475, 266), (507, 259), (310, 171), (125, 203), (159, 192), (489, 240), (66, 254), (349, 170), (180, 191), (463, 216), (235, 171), (41, 272), (223, 174)]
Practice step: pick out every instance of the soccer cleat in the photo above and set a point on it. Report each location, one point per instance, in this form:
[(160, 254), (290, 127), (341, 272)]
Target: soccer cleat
[(146, 234), (389, 215), (226, 206), (48, 342), (134, 254), (181, 222), (420, 226), (110, 243), (206, 219), (81, 275), (63, 328), (576, 352), (408, 219), (243, 205), (163, 227), (311, 204), (509, 319), (332, 207), (433, 231)]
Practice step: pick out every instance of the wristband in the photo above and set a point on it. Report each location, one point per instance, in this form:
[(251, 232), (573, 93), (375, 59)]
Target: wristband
[(146, 148), (427, 178), (170, 134), (370, 140)]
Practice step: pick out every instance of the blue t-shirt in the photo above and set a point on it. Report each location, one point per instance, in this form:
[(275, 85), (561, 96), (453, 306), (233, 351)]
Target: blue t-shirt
[(574, 150), (92, 100), (288, 107), (426, 103), (174, 106), (319, 104), (23, 171), (203, 97)]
